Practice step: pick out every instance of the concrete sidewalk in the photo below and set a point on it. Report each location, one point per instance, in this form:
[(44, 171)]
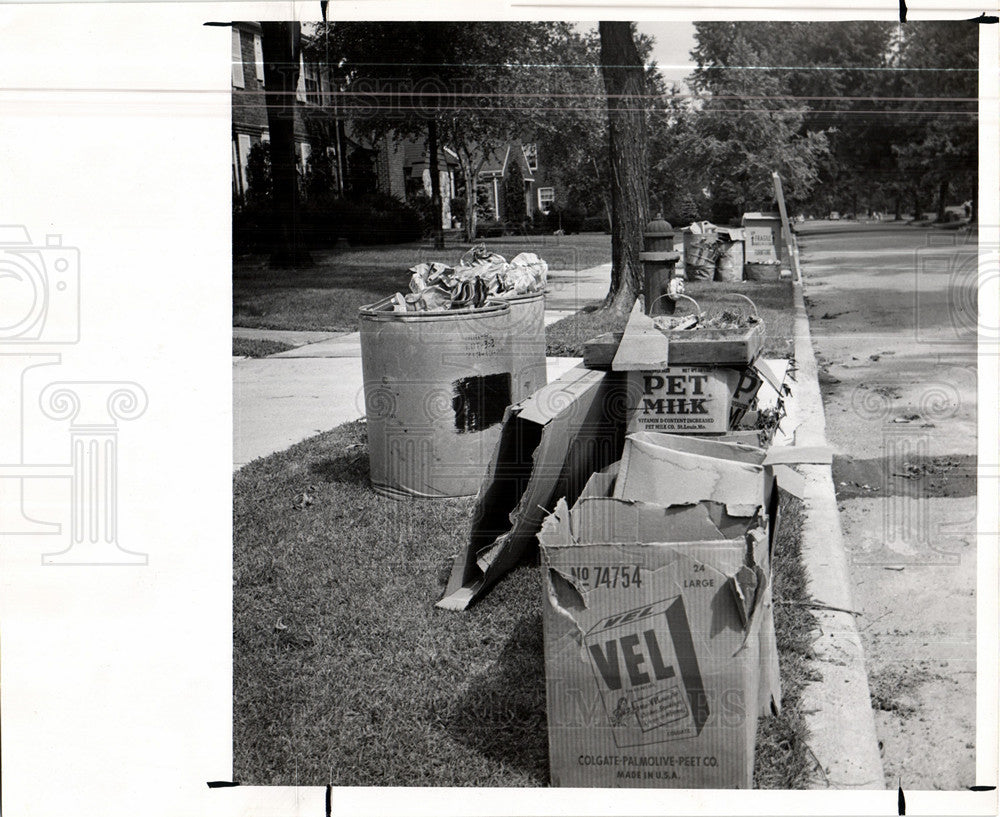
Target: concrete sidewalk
[(284, 398)]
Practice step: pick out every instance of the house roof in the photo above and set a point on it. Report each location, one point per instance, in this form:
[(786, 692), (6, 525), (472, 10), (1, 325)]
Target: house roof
[(415, 157), (496, 163)]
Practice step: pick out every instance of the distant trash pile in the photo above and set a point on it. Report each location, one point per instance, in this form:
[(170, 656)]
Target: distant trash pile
[(480, 275)]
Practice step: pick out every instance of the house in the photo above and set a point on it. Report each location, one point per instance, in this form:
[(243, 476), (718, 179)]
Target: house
[(539, 197), (394, 165), (316, 123)]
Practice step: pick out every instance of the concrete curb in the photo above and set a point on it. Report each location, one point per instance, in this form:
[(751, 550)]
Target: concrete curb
[(840, 720)]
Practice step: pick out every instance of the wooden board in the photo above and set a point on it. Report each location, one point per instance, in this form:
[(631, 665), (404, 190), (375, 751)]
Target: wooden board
[(643, 347)]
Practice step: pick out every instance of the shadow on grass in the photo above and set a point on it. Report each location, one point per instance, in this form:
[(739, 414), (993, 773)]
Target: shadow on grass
[(350, 468), (502, 715)]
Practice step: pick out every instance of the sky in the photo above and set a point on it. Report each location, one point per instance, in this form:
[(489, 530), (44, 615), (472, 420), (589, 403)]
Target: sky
[(671, 50), (674, 41)]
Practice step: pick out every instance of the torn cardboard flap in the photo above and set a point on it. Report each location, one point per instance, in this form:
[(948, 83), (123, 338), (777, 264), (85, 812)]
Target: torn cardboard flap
[(660, 469), (549, 446)]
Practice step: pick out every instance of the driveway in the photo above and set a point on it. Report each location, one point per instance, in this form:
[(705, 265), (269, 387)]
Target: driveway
[(893, 318)]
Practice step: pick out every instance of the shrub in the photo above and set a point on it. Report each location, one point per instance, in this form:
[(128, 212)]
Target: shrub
[(595, 224), (374, 218), (424, 208), (490, 228), (568, 220)]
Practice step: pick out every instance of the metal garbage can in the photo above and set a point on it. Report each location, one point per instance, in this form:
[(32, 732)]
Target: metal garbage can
[(527, 343), (700, 251), (436, 387), (729, 264)]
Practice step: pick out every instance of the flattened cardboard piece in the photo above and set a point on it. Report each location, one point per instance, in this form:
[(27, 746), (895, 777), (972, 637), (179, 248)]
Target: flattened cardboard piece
[(642, 346), (681, 399), (799, 454), (652, 658), (549, 445), (660, 470)]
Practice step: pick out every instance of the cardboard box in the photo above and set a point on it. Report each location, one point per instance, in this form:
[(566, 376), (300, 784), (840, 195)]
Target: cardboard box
[(652, 631), (763, 240), (549, 446), (681, 399)]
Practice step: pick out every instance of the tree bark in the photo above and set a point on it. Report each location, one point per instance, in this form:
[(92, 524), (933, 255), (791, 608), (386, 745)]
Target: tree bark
[(942, 196), (436, 204), (471, 191), (974, 212), (280, 48), (624, 83), (899, 208)]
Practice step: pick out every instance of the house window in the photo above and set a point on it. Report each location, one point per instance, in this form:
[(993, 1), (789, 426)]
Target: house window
[(312, 84), (531, 156), (237, 60), (258, 57), (546, 196)]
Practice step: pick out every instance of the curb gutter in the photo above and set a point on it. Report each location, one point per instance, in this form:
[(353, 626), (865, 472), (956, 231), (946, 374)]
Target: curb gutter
[(841, 721)]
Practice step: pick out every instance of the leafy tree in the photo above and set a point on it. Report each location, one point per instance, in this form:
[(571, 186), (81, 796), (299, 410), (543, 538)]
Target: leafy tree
[(469, 86), (938, 62), (745, 127), (895, 103)]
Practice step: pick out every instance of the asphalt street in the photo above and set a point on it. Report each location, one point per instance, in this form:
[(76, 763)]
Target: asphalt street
[(893, 317)]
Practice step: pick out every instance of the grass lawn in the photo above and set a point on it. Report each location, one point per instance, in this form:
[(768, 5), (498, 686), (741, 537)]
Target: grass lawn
[(346, 673), (774, 303), (327, 295), (254, 347)]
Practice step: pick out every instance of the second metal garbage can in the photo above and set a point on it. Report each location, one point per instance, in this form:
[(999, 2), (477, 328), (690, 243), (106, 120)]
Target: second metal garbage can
[(436, 387), (527, 343)]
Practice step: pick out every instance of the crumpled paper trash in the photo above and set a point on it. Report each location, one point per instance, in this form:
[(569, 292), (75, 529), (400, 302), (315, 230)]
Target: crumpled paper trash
[(480, 275)]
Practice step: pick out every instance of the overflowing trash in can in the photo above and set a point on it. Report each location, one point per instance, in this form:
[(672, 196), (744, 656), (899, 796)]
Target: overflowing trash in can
[(480, 275)]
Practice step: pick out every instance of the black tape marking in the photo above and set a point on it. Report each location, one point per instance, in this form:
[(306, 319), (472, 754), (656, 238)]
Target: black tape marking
[(329, 799), (222, 784), (902, 11), (982, 788), (479, 402), (901, 801), (988, 20)]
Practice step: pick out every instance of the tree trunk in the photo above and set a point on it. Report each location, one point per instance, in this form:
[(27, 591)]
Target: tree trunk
[(942, 196), (436, 204), (916, 205), (974, 211), (624, 81), (280, 47), (899, 208)]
